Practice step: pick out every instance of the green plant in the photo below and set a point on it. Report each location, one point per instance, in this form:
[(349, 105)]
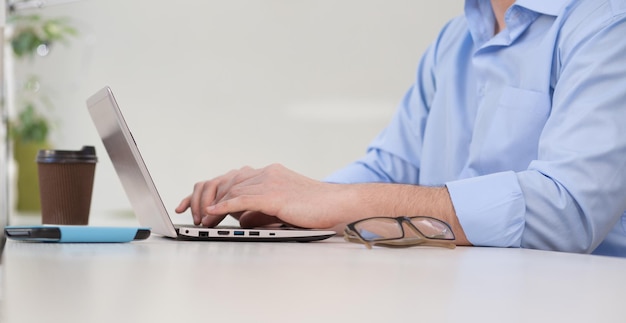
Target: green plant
[(30, 126), (32, 33)]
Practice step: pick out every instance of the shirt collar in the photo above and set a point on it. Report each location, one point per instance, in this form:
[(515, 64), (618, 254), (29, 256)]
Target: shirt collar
[(522, 13), (546, 7), (480, 19)]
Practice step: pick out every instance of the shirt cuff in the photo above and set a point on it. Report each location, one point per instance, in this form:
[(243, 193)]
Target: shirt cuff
[(490, 209)]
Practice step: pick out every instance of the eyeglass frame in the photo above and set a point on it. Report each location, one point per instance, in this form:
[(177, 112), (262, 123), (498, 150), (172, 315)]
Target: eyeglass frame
[(350, 232)]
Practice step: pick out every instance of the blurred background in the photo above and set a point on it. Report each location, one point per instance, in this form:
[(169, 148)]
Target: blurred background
[(208, 86)]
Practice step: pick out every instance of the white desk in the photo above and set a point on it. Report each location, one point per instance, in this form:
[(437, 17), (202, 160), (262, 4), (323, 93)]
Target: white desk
[(161, 280)]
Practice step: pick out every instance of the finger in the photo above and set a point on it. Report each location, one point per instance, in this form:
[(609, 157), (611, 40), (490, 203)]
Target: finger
[(233, 178), (236, 204), (255, 219), (184, 205), (207, 197), (194, 202), (212, 220)]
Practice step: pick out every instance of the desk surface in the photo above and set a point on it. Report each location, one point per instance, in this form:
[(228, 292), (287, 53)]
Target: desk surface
[(161, 280)]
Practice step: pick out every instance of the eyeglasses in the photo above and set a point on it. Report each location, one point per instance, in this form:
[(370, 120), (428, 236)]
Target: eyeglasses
[(391, 232)]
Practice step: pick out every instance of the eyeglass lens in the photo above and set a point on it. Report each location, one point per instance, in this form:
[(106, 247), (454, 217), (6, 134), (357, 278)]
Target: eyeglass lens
[(379, 229), (432, 228)]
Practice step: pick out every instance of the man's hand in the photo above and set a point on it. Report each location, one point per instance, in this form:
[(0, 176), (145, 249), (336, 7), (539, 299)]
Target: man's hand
[(257, 197)]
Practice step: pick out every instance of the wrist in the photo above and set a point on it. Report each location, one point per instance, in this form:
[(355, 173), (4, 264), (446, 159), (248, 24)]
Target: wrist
[(359, 201)]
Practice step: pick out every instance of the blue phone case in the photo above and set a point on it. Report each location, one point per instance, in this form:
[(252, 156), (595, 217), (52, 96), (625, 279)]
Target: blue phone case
[(76, 233)]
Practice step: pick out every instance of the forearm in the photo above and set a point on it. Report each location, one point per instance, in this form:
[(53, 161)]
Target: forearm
[(378, 199)]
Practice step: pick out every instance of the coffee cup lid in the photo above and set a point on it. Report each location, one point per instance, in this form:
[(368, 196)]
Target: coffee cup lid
[(86, 155)]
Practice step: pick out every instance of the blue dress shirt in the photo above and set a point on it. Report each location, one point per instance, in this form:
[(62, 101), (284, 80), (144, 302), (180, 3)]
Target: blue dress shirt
[(526, 128)]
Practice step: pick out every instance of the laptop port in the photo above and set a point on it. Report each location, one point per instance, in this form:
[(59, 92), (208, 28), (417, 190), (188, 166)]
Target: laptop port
[(254, 233), (223, 233), (239, 233), (203, 234)]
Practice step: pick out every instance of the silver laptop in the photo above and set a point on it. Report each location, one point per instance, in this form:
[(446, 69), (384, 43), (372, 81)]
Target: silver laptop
[(143, 195)]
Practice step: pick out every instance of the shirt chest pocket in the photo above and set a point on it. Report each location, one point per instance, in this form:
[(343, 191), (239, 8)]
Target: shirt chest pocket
[(513, 128)]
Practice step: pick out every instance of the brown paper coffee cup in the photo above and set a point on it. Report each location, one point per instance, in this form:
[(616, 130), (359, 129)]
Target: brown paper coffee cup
[(66, 184)]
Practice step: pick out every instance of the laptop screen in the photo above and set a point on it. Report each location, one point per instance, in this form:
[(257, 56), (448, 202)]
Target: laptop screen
[(128, 163)]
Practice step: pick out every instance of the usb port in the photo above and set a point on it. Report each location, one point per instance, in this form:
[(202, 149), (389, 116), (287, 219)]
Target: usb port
[(238, 233), (223, 233), (203, 234), (254, 233)]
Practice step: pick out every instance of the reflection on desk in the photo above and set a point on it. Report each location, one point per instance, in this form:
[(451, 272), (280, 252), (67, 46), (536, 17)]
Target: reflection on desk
[(160, 280)]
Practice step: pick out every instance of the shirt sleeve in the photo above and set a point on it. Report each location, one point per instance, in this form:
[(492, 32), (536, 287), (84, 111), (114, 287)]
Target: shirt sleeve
[(394, 155), (574, 191), (377, 166), (481, 201)]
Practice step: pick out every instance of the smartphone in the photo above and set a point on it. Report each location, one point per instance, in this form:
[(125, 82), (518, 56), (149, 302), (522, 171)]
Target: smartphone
[(76, 233)]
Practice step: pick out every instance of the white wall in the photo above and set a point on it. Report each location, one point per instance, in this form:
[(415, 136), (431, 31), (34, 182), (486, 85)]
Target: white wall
[(207, 86)]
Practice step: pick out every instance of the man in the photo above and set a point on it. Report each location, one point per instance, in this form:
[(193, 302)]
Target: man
[(512, 134)]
